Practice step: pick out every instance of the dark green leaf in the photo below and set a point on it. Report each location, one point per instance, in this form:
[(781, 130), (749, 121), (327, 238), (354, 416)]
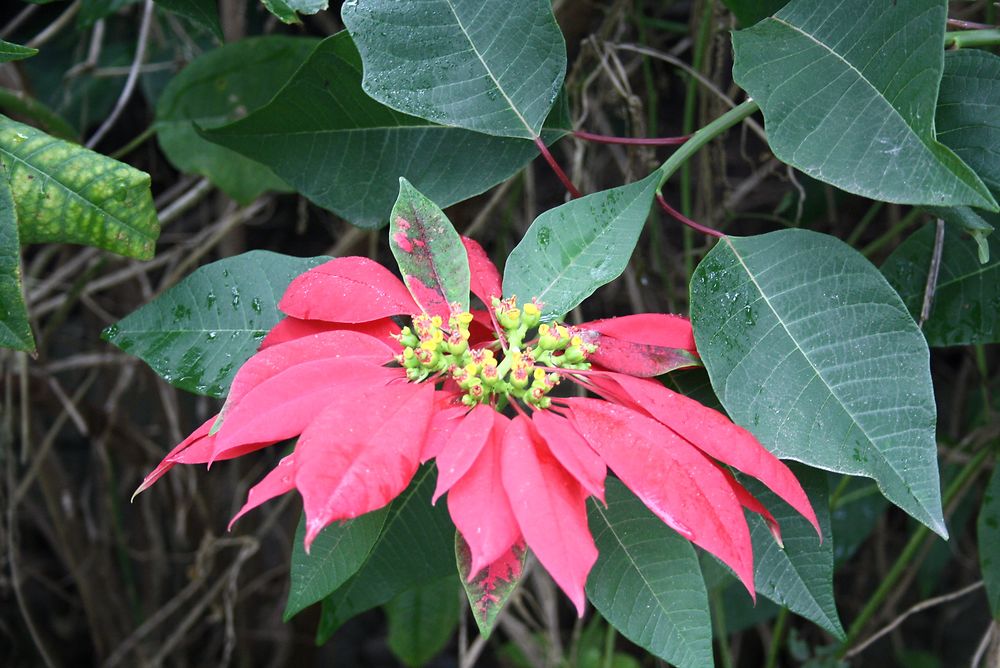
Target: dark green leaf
[(202, 12), (749, 12), (647, 582), (972, 221), (282, 11), (855, 513), (429, 252), (849, 94), (197, 334), (336, 554), (15, 330), (800, 575), (66, 193), (812, 350), (422, 620), (9, 52), (570, 251), (492, 587), (92, 11), (493, 67), (347, 153), (217, 88), (988, 528), (966, 307), (415, 546)]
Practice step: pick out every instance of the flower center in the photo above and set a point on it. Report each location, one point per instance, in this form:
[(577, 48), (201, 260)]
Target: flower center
[(524, 362)]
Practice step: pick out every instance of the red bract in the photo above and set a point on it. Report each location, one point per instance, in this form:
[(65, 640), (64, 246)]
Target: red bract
[(369, 401)]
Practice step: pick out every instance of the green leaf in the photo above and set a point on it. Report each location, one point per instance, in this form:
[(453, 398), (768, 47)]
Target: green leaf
[(810, 349), (494, 67), (749, 12), (422, 620), (429, 252), (204, 13), (282, 11), (336, 554), (9, 52), (66, 193), (647, 582), (854, 515), (800, 575), (492, 587), (988, 530), (308, 6), (415, 546), (15, 330), (849, 94), (217, 88), (347, 153), (570, 251), (197, 334), (966, 307)]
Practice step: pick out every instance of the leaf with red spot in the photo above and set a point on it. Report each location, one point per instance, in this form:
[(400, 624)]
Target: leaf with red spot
[(479, 506), (292, 328), (572, 451), (430, 254), (491, 588), (347, 289), (282, 406), (673, 478), (645, 344), (280, 480), (462, 447), (550, 508), (484, 275), (714, 434), (360, 452)]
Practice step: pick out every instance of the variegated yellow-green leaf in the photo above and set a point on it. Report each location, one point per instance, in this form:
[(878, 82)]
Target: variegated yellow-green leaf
[(15, 332), (66, 193)]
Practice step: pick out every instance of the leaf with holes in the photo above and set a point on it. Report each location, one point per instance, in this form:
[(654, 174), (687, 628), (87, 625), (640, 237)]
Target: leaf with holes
[(491, 588), (849, 94), (812, 350), (966, 306), (647, 582), (429, 252), (15, 330), (492, 67), (347, 153), (570, 251), (66, 193), (197, 334)]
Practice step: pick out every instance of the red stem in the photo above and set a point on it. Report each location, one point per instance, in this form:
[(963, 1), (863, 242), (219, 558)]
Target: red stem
[(674, 213), (636, 141), (969, 25), (570, 188)]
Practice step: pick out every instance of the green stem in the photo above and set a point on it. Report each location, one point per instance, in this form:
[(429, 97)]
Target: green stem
[(703, 136), (135, 143), (963, 39), (777, 638), (891, 233), (609, 647), (50, 121), (866, 220), (719, 628), (906, 556)]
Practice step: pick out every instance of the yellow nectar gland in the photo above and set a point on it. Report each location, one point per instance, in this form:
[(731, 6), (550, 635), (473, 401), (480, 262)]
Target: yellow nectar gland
[(528, 346)]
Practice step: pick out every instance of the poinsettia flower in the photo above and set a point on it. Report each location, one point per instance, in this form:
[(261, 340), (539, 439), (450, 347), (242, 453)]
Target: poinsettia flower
[(369, 401)]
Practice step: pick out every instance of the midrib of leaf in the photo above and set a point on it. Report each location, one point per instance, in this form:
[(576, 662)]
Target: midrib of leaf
[(496, 82), (798, 347), (971, 274), (73, 193)]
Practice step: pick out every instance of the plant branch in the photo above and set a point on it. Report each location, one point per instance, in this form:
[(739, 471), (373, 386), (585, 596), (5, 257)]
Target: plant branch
[(677, 215), (967, 38), (632, 141), (703, 136), (932, 273), (544, 150)]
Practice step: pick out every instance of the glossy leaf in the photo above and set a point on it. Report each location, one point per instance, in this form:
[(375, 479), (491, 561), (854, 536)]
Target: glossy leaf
[(282, 11), (204, 13), (66, 193), (799, 575), (491, 588), (336, 554), (429, 252), (493, 67), (988, 531), (9, 51), (216, 88), (849, 94), (644, 344), (811, 350), (573, 249), (647, 582), (347, 153), (198, 333), (422, 620), (966, 306), (15, 330), (416, 545)]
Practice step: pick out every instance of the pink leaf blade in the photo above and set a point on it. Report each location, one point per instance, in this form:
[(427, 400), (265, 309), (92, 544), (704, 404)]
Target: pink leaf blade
[(291, 328), (485, 277), (550, 508), (279, 480), (347, 289), (646, 344), (462, 446), (445, 419), (198, 435), (489, 589), (572, 451)]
